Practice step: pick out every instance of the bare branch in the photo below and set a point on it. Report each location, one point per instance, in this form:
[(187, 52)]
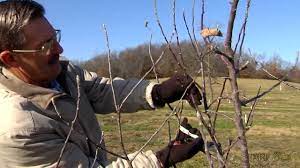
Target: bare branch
[(150, 54), (242, 32), (225, 55), (176, 32), (228, 40), (135, 86), (231, 144), (218, 99), (194, 44), (200, 56), (262, 94), (114, 97), (221, 113), (167, 118), (104, 149), (219, 102), (97, 150), (73, 122), (154, 65), (155, 133), (202, 14), (208, 155), (214, 140), (274, 77), (163, 33), (244, 66), (250, 115), (193, 21)]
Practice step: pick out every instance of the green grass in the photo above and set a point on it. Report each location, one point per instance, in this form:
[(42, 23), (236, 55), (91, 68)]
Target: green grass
[(273, 139)]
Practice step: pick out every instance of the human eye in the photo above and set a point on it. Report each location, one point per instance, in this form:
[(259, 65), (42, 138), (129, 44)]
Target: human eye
[(47, 45)]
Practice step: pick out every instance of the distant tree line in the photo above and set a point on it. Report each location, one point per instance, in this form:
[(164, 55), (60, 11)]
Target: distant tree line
[(135, 62)]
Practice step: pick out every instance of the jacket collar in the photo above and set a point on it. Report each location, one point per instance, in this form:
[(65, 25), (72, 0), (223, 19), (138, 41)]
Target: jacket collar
[(38, 95)]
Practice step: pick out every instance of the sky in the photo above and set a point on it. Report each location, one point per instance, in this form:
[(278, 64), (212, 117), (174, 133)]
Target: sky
[(273, 25)]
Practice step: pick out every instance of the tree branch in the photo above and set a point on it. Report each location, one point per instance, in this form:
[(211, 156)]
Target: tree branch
[(118, 109), (73, 122)]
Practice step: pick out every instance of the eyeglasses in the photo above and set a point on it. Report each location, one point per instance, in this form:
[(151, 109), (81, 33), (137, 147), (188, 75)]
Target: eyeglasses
[(47, 46)]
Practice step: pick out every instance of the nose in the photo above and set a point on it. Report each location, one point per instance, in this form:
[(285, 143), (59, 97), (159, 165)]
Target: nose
[(56, 48)]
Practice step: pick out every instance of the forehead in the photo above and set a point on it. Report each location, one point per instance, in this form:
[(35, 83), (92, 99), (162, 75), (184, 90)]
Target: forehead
[(37, 31)]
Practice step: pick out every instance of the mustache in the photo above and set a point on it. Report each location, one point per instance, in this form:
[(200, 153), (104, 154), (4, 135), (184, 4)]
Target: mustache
[(54, 59)]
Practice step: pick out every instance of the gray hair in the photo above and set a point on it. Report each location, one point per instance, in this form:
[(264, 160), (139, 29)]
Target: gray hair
[(14, 15)]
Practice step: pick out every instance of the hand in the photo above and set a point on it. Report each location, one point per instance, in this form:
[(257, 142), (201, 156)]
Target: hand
[(173, 89), (182, 148)]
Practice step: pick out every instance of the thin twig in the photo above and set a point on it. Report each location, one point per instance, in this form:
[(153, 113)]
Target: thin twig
[(104, 149), (284, 82), (193, 21), (157, 80), (194, 45), (202, 14), (231, 145), (166, 119), (220, 113), (150, 54), (73, 121), (218, 99), (227, 150), (225, 55), (114, 97), (274, 77), (156, 76), (213, 138), (210, 78), (143, 77), (167, 41), (208, 155), (97, 150), (219, 102), (176, 33), (201, 64), (250, 115), (244, 29), (261, 95), (243, 34), (202, 21)]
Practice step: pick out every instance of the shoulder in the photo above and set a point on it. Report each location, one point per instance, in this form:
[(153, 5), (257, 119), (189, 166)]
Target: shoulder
[(15, 112), (73, 70)]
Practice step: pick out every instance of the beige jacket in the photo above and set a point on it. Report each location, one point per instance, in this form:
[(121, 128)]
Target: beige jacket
[(35, 121)]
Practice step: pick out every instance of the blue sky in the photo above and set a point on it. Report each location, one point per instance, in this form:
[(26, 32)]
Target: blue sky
[(272, 27)]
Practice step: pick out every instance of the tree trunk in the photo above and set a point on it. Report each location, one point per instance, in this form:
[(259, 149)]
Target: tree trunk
[(238, 117)]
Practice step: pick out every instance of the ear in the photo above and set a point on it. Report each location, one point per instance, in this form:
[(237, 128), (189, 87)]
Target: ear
[(7, 59)]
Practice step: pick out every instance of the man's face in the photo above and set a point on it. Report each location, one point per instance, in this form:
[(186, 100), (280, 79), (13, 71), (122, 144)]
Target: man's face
[(39, 67)]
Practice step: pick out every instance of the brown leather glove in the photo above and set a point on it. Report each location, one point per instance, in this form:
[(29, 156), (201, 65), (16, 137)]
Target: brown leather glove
[(172, 90), (182, 148)]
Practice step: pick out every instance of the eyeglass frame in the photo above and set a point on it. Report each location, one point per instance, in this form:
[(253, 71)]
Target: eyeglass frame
[(46, 46)]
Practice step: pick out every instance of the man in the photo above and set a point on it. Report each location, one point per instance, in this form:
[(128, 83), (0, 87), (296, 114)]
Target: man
[(38, 96)]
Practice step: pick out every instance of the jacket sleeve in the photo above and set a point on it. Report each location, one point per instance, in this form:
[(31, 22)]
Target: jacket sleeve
[(26, 148), (99, 92), (29, 139)]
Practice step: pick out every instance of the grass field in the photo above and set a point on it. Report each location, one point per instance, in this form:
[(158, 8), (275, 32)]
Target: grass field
[(274, 139)]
